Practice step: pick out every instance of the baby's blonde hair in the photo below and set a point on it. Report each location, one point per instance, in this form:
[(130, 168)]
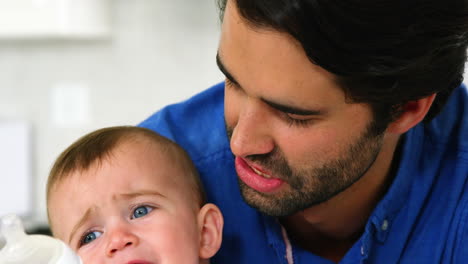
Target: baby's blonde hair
[(98, 145)]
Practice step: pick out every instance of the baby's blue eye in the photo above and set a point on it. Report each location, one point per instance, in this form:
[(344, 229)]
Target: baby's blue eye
[(90, 237), (141, 211)]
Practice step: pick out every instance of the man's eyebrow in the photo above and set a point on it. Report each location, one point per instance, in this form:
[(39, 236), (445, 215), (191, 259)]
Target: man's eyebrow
[(291, 109), (278, 106), (223, 69), (82, 220)]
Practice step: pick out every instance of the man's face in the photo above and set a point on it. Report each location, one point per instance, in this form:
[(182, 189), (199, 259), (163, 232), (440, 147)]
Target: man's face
[(296, 140), (130, 208)]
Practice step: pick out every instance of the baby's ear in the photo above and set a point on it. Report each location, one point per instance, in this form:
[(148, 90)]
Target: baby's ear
[(210, 222)]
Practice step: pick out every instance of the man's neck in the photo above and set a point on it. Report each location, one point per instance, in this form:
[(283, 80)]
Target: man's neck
[(331, 228)]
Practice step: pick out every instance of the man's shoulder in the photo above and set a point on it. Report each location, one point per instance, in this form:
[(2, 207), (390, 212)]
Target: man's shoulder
[(427, 203), (460, 244), (441, 180), (196, 124)]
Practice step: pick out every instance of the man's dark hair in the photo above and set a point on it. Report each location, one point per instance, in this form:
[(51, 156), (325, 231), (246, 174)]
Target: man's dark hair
[(383, 52)]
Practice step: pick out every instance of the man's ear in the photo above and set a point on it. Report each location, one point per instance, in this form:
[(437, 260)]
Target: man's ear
[(210, 222), (413, 112)]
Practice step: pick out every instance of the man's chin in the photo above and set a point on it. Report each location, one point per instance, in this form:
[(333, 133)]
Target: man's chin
[(280, 204), (276, 205)]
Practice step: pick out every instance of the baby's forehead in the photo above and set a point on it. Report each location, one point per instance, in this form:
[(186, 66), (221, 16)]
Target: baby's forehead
[(151, 163), (185, 176), (138, 161)]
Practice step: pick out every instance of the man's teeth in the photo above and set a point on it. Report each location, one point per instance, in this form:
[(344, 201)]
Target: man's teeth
[(261, 173)]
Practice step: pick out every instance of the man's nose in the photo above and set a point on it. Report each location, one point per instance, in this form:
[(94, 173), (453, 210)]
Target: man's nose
[(120, 238), (252, 134)]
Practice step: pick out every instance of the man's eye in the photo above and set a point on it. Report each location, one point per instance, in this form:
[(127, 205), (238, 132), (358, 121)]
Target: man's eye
[(141, 211), (298, 120), (89, 237)]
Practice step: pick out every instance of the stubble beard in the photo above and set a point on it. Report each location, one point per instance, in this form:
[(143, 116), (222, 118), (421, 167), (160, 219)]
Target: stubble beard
[(310, 186)]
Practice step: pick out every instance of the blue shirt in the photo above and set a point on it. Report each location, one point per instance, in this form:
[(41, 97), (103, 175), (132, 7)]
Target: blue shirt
[(423, 217)]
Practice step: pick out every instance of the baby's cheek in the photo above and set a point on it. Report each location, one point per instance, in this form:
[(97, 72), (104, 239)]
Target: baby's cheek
[(92, 254), (180, 243)]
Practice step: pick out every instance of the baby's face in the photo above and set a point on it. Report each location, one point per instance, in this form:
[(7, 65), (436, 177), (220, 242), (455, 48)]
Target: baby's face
[(130, 209)]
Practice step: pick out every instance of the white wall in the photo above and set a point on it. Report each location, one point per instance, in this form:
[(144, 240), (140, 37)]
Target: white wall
[(160, 52)]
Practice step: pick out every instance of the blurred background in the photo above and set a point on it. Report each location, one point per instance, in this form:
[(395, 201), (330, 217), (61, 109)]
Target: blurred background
[(68, 67)]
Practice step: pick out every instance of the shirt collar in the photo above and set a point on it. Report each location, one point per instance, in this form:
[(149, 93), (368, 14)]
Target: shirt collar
[(395, 198)]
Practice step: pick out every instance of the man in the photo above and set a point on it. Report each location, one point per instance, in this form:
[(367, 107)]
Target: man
[(348, 129)]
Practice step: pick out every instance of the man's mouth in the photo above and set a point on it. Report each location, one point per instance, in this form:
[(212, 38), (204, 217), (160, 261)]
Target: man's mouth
[(256, 178), (260, 173)]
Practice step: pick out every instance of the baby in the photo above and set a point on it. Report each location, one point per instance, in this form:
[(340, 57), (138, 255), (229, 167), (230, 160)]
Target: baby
[(128, 195)]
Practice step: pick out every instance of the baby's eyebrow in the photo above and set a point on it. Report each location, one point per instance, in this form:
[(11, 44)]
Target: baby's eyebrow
[(126, 196), (138, 193), (82, 220)]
